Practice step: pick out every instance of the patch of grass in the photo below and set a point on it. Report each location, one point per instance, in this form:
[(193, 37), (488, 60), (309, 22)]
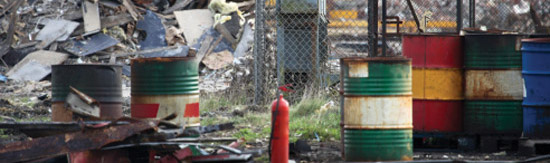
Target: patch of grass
[(35, 119), (211, 102), (248, 134), (307, 107), (308, 122), (3, 135)]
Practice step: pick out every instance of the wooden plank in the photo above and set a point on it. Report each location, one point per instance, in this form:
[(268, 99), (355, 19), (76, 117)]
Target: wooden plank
[(36, 65), (131, 9), (179, 5), (205, 46), (92, 22), (108, 22)]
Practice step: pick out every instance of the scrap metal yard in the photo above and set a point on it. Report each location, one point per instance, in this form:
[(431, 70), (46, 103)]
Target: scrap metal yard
[(166, 81)]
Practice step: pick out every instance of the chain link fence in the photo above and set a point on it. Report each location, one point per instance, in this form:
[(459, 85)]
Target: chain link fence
[(300, 41)]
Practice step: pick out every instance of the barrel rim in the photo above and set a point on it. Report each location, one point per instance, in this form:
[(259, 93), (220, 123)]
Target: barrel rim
[(160, 59), (375, 59), (536, 40), (494, 34), (87, 64), (432, 34), (491, 69)]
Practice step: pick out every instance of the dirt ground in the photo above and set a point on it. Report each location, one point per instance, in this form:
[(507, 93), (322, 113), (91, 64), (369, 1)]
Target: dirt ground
[(31, 102)]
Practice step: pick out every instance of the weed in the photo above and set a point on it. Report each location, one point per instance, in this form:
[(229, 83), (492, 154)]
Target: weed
[(307, 122)]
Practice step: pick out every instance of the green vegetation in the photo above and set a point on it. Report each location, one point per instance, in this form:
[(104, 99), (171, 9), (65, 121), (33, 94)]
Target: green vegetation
[(212, 102), (307, 121)]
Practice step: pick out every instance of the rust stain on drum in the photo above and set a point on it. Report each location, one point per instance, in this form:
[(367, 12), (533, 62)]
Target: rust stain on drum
[(494, 85)]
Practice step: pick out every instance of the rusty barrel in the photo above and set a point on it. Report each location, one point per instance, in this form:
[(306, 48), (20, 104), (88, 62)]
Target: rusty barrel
[(377, 109), (99, 81), (493, 84), (536, 97), (166, 86), (438, 90)]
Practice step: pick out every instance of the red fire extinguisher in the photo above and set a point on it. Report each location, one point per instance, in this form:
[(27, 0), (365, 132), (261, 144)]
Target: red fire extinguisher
[(278, 142)]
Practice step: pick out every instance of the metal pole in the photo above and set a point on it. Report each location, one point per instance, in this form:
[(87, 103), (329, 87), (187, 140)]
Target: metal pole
[(411, 7), (259, 54), (458, 15), (384, 28), (472, 13), (373, 27)]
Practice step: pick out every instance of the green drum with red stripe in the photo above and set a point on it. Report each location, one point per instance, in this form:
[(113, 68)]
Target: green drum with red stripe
[(162, 87)]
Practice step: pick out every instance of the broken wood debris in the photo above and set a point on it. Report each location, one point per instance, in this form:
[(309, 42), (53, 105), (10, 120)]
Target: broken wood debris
[(71, 142), (108, 31), (36, 65), (92, 23)]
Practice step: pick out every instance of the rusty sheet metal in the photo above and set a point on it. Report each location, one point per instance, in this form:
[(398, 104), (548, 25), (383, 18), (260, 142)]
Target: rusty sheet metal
[(392, 112), (186, 108), (72, 142), (493, 85), (438, 84), (41, 129), (82, 104)]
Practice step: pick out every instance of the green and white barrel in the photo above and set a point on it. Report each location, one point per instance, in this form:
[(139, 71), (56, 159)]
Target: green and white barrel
[(377, 109), (163, 87)]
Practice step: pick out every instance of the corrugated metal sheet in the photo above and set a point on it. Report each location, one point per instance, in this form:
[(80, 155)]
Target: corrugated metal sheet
[(437, 116), (378, 145), (438, 84), (378, 112), (494, 85)]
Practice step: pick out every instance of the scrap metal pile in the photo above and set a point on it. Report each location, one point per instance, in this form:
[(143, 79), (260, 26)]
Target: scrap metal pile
[(36, 34), (118, 140)]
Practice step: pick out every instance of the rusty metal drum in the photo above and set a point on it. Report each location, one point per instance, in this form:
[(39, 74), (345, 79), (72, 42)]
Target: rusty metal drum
[(376, 103), (438, 77), (493, 84), (166, 86), (102, 82), (99, 81)]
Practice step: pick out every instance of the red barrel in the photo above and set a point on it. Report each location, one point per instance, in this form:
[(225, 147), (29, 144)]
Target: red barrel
[(437, 81)]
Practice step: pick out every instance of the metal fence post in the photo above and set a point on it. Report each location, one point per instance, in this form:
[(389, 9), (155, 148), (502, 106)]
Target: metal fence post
[(258, 54), (373, 27), (458, 15), (472, 13)]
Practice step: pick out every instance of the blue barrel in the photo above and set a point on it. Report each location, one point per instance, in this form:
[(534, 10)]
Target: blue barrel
[(536, 96)]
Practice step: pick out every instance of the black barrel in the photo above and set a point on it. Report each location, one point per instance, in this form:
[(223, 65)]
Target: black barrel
[(100, 81)]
